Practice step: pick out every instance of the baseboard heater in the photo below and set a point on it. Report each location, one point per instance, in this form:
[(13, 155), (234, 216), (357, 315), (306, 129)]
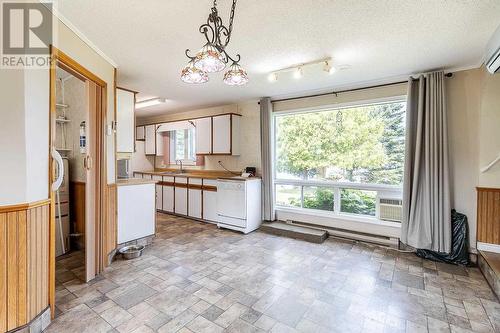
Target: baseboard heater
[(352, 235)]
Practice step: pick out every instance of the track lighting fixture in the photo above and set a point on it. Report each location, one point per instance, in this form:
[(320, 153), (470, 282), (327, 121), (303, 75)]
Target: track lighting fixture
[(298, 72), (329, 68), (272, 77)]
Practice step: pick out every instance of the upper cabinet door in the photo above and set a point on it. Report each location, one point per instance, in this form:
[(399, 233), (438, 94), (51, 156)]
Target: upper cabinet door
[(139, 133), (222, 134), (125, 122), (203, 135), (150, 144), (226, 131), (159, 142)]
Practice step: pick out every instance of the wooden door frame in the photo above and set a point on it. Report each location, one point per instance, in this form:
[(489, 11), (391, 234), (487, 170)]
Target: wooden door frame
[(62, 60)]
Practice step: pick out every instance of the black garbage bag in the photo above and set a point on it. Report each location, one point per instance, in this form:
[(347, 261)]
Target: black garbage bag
[(459, 254)]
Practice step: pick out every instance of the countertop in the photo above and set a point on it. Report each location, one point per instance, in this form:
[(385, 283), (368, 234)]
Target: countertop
[(135, 181), (190, 174), (206, 174)]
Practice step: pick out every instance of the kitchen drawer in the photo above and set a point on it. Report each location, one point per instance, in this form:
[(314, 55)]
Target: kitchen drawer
[(181, 180), (210, 182), (169, 179), (195, 181)]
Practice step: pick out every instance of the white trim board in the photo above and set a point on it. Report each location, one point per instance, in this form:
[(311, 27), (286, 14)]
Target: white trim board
[(385, 229), (488, 247)]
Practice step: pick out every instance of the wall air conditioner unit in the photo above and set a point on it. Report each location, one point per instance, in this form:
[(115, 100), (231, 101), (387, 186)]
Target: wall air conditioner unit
[(390, 209), (493, 53)]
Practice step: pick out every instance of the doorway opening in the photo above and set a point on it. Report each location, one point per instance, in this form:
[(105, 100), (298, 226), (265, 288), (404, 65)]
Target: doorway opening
[(72, 117), (78, 175)]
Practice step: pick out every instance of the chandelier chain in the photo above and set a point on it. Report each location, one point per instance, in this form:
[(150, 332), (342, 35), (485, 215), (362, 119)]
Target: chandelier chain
[(231, 18)]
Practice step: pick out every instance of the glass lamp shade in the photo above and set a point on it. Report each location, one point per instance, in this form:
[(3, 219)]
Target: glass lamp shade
[(191, 74), (209, 59), (235, 76)]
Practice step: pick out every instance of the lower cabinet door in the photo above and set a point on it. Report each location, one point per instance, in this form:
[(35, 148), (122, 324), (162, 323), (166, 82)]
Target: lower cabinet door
[(168, 199), (210, 206), (181, 200), (194, 204), (159, 193)]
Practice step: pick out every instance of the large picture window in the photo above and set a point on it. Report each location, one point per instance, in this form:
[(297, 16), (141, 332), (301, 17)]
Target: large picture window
[(339, 160)]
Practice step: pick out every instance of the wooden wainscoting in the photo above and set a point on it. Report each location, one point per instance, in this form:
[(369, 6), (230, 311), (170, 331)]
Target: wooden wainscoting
[(110, 223), (24, 263), (488, 215)]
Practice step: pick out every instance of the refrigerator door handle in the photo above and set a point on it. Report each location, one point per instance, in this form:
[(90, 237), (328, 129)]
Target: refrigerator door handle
[(60, 170)]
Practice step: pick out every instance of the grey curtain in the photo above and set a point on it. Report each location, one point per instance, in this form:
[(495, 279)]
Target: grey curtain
[(426, 192), (266, 109)]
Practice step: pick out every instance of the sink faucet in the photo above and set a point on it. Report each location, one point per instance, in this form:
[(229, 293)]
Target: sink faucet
[(179, 162)]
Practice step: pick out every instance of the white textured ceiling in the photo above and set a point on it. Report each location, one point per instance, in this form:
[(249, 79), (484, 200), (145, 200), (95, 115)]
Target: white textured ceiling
[(379, 40)]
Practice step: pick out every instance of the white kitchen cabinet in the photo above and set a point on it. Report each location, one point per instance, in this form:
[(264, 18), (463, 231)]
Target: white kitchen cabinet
[(168, 195), (181, 200), (150, 140), (135, 212), (181, 196), (225, 134), (203, 135), (210, 206), (159, 143), (194, 197), (159, 193), (140, 134), (125, 121), (210, 200)]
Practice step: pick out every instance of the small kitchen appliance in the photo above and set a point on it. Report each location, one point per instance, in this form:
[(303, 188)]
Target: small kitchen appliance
[(238, 203)]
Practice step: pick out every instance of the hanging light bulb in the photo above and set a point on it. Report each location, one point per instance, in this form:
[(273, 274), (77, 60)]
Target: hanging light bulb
[(191, 74), (273, 77), (209, 59), (298, 73), (236, 75)]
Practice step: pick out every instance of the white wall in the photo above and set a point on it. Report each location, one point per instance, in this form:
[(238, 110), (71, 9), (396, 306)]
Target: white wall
[(463, 102), (37, 134), (24, 121), (12, 138), (473, 98), (489, 128), (139, 161)]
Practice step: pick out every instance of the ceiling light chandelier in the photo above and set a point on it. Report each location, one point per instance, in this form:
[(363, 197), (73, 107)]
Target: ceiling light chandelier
[(213, 56)]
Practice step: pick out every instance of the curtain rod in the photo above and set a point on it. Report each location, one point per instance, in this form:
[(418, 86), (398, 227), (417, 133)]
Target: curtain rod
[(347, 90)]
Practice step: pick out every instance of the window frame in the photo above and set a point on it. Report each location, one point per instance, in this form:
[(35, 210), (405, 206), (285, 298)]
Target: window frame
[(173, 150), (389, 190)]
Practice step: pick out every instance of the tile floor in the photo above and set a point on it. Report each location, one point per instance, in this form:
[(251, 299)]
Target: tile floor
[(197, 278)]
